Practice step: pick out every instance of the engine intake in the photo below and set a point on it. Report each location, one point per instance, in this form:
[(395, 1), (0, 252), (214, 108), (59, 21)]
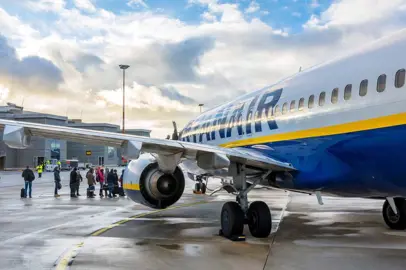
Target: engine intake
[(145, 183)]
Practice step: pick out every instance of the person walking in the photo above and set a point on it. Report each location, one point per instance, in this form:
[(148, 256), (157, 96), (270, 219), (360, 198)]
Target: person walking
[(39, 170), (28, 176), (78, 180), (100, 177), (57, 179), (72, 183)]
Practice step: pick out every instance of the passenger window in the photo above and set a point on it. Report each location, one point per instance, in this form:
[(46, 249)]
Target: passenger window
[(363, 88), (292, 106), (347, 92), (322, 98), (285, 108), (334, 96), (301, 104), (311, 102), (400, 78), (276, 111), (381, 83)]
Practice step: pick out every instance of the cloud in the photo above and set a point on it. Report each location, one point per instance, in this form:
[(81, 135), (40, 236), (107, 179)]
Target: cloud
[(137, 3), (33, 71), (253, 7), (174, 65), (314, 4), (85, 5), (46, 5)]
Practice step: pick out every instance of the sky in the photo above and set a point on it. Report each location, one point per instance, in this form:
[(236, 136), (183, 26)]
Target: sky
[(62, 56)]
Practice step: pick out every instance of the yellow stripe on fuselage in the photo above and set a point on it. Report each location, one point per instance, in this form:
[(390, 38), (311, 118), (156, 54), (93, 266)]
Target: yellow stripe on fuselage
[(373, 123), (131, 186)]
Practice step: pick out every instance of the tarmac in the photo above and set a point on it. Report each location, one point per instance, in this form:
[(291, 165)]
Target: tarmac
[(63, 233)]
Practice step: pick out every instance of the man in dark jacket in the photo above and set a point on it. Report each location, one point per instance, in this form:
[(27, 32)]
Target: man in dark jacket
[(28, 176), (57, 179), (110, 182), (72, 183)]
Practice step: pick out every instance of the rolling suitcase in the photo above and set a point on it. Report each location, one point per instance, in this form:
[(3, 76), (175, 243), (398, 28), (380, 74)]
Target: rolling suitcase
[(121, 191), (22, 193)]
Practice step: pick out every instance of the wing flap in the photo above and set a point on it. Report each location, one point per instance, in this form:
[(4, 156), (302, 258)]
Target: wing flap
[(151, 145)]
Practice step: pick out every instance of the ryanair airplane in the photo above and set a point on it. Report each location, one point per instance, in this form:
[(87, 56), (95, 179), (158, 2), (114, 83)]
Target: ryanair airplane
[(338, 128)]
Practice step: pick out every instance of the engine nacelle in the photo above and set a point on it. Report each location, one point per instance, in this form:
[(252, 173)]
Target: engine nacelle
[(146, 184), (16, 137)]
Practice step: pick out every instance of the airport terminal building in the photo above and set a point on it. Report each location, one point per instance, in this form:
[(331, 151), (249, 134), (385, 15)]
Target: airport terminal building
[(45, 149)]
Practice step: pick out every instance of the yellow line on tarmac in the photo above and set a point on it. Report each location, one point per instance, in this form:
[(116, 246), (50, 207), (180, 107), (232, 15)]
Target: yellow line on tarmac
[(68, 257)]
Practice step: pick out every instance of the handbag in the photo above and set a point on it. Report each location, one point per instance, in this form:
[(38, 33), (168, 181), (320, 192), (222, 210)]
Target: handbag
[(59, 185)]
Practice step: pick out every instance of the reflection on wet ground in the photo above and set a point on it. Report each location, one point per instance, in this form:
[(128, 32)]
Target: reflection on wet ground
[(45, 232)]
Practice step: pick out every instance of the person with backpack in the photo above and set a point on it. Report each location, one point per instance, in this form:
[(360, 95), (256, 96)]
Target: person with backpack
[(72, 182), (28, 176), (57, 179)]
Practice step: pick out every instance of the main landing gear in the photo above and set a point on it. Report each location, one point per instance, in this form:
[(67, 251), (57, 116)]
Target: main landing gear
[(234, 215), (394, 213)]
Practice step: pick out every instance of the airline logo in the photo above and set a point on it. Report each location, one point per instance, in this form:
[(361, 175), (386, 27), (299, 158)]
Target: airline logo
[(219, 124)]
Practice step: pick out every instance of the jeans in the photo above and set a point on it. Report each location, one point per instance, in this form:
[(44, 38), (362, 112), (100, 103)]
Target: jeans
[(56, 188), (28, 185), (111, 186)]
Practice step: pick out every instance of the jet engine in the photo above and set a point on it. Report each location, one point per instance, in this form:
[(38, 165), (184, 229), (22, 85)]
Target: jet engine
[(145, 183)]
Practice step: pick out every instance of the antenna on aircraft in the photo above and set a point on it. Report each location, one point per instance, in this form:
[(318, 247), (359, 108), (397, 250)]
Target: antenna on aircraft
[(300, 69), (175, 135)]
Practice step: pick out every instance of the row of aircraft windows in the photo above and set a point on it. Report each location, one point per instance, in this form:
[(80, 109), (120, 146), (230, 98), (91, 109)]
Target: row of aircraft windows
[(363, 89)]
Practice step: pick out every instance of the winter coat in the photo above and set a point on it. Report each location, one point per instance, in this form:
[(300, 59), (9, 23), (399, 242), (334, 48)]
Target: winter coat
[(111, 178), (101, 176), (90, 179), (73, 177), (28, 175), (57, 176)]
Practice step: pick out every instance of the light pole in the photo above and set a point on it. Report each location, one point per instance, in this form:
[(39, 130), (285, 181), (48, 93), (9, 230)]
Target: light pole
[(201, 105), (124, 67)]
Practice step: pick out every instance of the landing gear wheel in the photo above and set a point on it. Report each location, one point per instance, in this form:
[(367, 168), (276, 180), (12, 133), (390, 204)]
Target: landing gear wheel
[(395, 221), (259, 219), (203, 188), (232, 220)]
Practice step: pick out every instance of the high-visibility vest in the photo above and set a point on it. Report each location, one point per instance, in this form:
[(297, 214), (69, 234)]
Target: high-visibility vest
[(48, 162), (39, 169), (59, 163)]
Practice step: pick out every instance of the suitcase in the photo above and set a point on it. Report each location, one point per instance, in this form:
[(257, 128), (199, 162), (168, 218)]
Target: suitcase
[(115, 190), (22, 193), (121, 191)]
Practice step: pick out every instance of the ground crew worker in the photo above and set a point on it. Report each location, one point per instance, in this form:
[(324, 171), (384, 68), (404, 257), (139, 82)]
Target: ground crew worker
[(59, 164), (39, 170)]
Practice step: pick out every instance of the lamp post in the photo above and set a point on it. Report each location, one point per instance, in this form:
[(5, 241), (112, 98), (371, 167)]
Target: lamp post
[(124, 67), (201, 105)]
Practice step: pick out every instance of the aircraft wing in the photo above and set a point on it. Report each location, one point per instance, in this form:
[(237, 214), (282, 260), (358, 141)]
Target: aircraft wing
[(16, 134)]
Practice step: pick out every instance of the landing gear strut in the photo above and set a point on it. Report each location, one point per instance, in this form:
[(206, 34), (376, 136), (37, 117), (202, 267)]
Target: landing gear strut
[(394, 213), (235, 214)]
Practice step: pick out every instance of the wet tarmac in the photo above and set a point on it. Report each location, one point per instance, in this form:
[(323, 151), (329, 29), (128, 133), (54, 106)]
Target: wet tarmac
[(63, 233)]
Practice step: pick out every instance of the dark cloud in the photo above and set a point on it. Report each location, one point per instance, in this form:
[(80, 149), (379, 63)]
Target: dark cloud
[(173, 94), (84, 61), (31, 72), (184, 57)]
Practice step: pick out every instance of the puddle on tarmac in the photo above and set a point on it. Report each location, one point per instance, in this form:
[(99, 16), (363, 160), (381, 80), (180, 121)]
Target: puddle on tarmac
[(188, 249)]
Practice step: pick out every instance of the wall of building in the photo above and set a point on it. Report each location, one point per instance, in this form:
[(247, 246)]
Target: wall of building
[(78, 150)]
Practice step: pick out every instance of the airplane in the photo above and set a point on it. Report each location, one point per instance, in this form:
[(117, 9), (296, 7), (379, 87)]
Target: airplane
[(337, 128)]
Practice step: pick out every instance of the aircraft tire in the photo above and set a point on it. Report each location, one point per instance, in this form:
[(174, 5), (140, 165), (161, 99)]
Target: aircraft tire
[(259, 219), (395, 222), (203, 188), (232, 220)]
